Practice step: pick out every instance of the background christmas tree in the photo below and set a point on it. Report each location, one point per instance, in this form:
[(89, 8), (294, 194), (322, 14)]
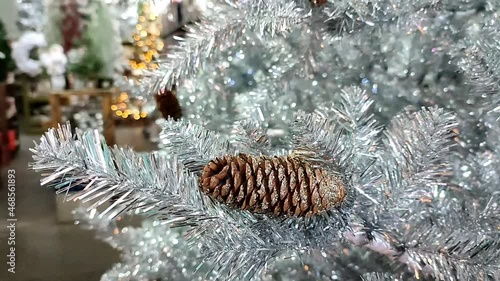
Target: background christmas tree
[(6, 63), (89, 33), (146, 39)]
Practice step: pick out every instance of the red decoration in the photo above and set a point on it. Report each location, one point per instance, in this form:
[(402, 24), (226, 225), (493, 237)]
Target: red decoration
[(71, 25)]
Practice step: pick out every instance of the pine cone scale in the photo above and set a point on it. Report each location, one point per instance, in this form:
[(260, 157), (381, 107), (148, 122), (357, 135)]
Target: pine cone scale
[(275, 188), (241, 195), (287, 203), (284, 184), (303, 189), (225, 189)]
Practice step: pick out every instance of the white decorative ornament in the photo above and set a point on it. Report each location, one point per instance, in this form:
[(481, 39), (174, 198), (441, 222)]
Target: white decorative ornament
[(54, 60), (30, 14), (75, 55), (21, 52)]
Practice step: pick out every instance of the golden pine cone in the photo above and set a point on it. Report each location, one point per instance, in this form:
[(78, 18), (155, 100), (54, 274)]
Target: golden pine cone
[(275, 185)]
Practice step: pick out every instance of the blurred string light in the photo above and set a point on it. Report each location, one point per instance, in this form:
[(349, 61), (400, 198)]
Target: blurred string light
[(148, 45), (146, 39), (124, 108)]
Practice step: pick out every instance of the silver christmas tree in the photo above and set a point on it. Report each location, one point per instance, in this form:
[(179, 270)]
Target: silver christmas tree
[(396, 100)]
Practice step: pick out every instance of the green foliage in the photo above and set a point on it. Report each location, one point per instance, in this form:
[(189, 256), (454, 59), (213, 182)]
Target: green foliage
[(99, 58), (6, 63), (90, 65), (107, 47)]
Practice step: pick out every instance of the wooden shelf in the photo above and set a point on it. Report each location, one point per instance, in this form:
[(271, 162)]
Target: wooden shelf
[(30, 102), (85, 92), (56, 98), (38, 99)]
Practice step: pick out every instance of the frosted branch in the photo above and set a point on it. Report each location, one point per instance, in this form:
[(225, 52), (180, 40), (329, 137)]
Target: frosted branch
[(354, 111), (192, 144), (150, 252), (480, 59), (375, 276), (454, 255), (321, 140), (445, 256), (418, 144), (225, 25), (248, 137), (148, 182)]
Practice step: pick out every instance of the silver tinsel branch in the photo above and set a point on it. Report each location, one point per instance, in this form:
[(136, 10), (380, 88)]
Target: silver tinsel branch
[(401, 61), (373, 276), (193, 145), (412, 164), (152, 251), (423, 185), (225, 24), (453, 255), (249, 137), (128, 179), (479, 57), (418, 144)]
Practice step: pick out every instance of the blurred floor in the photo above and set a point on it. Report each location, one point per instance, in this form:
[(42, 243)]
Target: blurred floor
[(47, 250)]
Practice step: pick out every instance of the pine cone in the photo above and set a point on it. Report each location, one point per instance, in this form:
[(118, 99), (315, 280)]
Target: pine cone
[(318, 3), (275, 185), (168, 104)]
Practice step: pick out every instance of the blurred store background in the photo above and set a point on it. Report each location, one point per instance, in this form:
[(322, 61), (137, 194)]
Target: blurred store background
[(71, 61)]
